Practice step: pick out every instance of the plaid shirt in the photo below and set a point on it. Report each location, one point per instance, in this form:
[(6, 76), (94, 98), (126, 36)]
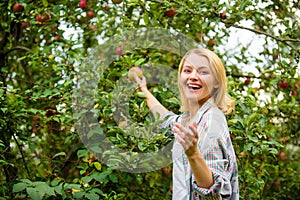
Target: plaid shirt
[(216, 147)]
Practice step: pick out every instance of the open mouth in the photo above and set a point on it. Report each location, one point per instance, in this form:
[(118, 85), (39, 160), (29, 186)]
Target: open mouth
[(194, 87)]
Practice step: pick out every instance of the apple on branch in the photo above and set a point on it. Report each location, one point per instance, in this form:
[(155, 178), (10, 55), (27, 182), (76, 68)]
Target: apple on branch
[(90, 14), (82, 4), (171, 13), (134, 70), (119, 51), (117, 1), (18, 7)]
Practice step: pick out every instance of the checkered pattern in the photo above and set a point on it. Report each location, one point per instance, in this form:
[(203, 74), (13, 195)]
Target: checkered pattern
[(216, 147)]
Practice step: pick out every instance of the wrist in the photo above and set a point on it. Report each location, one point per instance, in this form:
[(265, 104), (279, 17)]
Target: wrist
[(145, 90), (195, 155)]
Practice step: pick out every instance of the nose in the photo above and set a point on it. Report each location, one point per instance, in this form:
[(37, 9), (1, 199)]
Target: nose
[(194, 75)]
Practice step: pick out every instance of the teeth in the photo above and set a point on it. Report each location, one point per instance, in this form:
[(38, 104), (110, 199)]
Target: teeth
[(194, 86)]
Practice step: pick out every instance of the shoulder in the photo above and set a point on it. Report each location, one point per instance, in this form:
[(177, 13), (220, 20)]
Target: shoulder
[(215, 117)]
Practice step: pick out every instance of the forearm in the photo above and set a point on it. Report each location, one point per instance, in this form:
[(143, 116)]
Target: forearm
[(154, 105), (202, 173)]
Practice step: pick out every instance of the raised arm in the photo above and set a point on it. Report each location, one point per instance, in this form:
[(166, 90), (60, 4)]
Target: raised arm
[(154, 105)]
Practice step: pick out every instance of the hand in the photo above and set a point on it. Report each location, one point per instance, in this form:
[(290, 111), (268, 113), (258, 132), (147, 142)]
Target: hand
[(141, 82), (188, 139)]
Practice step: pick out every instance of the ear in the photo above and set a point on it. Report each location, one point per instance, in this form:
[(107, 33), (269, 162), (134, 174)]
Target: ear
[(216, 85)]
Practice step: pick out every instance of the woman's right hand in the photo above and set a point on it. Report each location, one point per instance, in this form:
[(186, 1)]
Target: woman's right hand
[(141, 83)]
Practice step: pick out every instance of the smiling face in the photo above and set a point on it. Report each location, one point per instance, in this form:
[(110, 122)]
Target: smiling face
[(196, 79)]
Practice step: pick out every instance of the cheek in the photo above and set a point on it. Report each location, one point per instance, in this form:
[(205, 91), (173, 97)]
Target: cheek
[(183, 78)]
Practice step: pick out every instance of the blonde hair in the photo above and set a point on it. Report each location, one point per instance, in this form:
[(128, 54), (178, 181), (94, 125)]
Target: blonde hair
[(221, 98)]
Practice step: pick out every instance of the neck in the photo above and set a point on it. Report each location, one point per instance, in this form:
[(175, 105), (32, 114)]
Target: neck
[(194, 106)]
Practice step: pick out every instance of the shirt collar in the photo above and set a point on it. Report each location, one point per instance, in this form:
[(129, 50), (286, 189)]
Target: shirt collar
[(207, 105)]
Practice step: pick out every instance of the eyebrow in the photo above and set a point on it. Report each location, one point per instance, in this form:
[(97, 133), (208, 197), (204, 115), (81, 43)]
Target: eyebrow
[(197, 67)]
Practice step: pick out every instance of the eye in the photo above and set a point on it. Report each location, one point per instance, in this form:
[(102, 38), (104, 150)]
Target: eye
[(203, 72), (186, 70)]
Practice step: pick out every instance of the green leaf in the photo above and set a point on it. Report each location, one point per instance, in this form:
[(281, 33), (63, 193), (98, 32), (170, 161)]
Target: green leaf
[(59, 154), (141, 94), (45, 3), (34, 193), (101, 176), (97, 165), (97, 190), (273, 151), (87, 179), (19, 187), (46, 189), (82, 153), (139, 61), (92, 196), (72, 186), (79, 194), (254, 139), (243, 5), (26, 181), (4, 110), (55, 181), (113, 178), (59, 189)]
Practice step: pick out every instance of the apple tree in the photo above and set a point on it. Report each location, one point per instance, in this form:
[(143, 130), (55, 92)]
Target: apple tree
[(46, 45)]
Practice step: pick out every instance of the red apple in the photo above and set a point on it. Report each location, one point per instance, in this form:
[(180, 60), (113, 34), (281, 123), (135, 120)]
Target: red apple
[(34, 130), (25, 24), (54, 28), (283, 85), (18, 7), (282, 156), (200, 36), (223, 15), (90, 14), (46, 17), (247, 81), (296, 84), (295, 93), (82, 4), (275, 55), (57, 38), (106, 8), (171, 13), (134, 70), (119, 51), (92, 27), (283, 139), (212, 42), (50, 113), (39, 18), (117, 1)]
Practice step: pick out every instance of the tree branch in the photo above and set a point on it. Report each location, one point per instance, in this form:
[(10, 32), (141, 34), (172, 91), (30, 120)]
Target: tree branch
[(17, 48), (22, 155), (284, 40)]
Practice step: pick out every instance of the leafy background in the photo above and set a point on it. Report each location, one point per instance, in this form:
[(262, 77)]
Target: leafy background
[(43, 44)]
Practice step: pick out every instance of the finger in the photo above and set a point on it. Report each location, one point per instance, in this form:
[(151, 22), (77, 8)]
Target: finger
[(178, 132), (136, 78), (179, 139), (180, 127), (193, 128), (183, 136), (189, 135)]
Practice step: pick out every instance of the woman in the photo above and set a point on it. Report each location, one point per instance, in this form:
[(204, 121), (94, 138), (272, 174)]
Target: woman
[(204, 162)]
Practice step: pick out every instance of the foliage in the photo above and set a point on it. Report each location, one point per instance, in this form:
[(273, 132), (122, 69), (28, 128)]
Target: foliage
[(44, 43)]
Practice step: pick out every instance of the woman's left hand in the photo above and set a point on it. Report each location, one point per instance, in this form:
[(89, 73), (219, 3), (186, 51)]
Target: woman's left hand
[(187, 138)]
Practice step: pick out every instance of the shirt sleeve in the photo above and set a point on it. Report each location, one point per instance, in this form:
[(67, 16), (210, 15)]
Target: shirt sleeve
[(219, 161)]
